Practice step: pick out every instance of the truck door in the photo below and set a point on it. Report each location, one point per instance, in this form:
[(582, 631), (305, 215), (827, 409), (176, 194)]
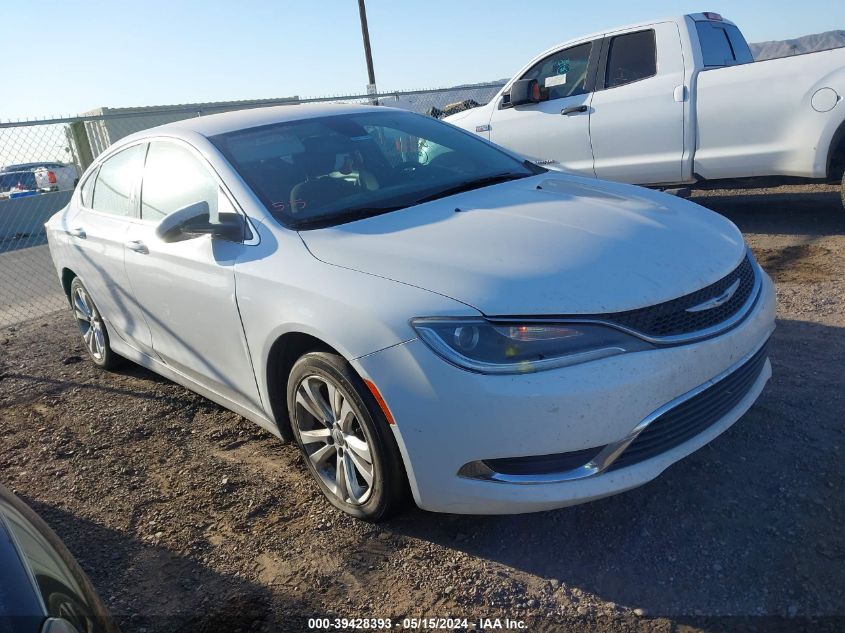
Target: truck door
[(637, 121), (557, 129)]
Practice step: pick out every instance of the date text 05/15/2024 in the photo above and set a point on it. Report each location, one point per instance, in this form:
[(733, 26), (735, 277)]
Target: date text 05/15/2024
[(425, 623)]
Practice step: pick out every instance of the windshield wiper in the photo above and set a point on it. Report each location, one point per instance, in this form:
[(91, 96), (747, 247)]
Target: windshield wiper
[(341, 217), (469, 185), (350, 215)]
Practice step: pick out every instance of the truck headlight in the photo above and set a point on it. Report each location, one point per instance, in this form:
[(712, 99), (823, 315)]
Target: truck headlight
[(492, 348)]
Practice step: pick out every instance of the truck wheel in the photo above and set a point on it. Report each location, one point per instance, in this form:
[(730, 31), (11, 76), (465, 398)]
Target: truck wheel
[(842, 191)]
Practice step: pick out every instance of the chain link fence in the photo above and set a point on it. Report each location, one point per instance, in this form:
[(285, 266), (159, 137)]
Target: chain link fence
[(41, 162)]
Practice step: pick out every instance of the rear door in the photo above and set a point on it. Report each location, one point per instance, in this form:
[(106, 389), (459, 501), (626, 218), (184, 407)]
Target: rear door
[(557, 129), (637, 121), (97, 231)]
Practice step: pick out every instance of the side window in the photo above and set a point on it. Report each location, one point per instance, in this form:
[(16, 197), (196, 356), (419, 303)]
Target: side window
[(722, 44), (115, 180), (86, 192), (173, 179), (562, 74), (631, 57)]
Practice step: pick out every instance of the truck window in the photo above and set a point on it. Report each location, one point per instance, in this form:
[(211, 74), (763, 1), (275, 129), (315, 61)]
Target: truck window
[(722, 44), (562, 74), (631, 57)]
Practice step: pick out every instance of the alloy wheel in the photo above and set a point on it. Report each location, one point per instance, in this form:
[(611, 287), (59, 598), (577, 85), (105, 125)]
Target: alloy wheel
[(334, 439), (90, 323)]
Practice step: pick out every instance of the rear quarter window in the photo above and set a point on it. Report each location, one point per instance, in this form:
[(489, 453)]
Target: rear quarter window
[(86, 192), (722, 44)]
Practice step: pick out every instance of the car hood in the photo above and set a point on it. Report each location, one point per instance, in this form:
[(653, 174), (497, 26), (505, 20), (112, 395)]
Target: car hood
[(545, 245)]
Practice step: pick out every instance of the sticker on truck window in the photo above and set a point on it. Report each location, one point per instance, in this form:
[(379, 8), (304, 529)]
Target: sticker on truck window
[(555, 80), (561, 66)]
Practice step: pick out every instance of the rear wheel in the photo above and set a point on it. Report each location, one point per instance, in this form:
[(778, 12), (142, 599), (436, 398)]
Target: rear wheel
[(344, 438), (842, 191), (95, 335)]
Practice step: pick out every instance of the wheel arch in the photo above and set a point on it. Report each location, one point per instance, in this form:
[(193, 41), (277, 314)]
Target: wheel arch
[(284, 352), (67, 279), (836, 153)]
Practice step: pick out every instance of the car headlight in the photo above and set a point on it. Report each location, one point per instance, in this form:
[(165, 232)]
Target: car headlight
[(492, 348)]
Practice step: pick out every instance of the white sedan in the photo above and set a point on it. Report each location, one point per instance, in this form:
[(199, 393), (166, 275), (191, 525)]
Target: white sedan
[(455, 324)]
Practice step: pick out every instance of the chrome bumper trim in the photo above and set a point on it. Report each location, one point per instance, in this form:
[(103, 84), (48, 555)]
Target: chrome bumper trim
[(611, 452)]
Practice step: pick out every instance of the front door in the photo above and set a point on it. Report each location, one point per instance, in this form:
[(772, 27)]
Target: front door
[(555, 131), (185, 289)]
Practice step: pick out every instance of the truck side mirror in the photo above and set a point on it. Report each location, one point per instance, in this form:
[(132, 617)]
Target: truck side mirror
[(525, 91)]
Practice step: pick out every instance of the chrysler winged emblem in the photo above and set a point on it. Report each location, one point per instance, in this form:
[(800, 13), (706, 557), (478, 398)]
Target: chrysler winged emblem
[(715, 302)]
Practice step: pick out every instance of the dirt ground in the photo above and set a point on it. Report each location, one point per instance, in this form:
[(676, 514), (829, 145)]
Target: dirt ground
[(189, 518)]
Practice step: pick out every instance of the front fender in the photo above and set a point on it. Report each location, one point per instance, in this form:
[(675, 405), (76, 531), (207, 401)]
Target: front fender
[(474, 120), (282, 288)]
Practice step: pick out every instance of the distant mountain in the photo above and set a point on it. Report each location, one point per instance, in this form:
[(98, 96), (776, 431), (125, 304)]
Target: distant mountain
[(806, 44)]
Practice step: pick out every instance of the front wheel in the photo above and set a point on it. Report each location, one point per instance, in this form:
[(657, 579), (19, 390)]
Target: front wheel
[(344, 438), (95, 335)]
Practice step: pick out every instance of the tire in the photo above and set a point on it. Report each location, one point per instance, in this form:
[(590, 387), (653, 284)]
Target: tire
[(62, 603), (842, 190), (336, 438), (95, 335)]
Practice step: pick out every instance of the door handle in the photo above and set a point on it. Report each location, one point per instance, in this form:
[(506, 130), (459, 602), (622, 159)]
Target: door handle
[(138, 246), (574, 110), (78, 232)]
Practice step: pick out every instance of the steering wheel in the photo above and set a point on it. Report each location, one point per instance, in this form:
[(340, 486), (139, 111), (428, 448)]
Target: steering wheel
[(405, 167), (449, 162)]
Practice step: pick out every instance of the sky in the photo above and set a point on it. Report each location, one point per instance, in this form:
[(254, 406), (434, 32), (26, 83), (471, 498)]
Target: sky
[(86, 54)]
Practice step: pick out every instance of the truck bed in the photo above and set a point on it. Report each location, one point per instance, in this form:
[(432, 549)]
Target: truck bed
[(758, 119)]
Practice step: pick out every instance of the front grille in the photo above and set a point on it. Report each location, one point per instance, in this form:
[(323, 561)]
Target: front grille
[(695, 415), (672, 319)]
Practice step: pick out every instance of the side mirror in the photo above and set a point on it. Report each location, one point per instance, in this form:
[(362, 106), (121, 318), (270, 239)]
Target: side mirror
[(195, 220), (525, 91)]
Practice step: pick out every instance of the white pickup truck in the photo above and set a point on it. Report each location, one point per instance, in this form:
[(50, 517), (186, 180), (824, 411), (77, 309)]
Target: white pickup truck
[(672, 102)]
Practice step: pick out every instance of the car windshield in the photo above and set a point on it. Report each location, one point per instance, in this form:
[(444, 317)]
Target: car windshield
[(330, 170)]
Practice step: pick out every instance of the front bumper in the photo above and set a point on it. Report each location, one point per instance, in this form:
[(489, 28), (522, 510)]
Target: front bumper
[(447, 417)]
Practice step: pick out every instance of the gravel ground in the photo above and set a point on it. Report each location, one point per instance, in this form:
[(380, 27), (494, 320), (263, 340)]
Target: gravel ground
[(189, 518)]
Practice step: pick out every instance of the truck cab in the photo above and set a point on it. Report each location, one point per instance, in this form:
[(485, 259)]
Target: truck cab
[(666, 102)]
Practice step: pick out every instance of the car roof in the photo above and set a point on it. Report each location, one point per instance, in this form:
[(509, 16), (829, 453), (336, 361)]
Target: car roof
[(29, 166), (215, 124)]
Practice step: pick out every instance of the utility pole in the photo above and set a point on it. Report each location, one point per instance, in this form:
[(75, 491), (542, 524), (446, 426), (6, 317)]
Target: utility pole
[(365, 32)]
